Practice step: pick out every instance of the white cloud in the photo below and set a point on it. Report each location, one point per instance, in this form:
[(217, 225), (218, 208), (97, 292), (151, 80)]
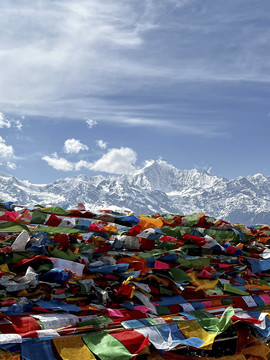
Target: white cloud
[(4, 122), (101, 144), (73, 146), (90, 123), (58, 163), (116, 161), (6, 151), (82, 164)]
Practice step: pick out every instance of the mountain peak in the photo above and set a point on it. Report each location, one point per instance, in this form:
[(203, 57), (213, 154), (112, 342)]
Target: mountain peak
[(162, 176), (157, 163), (162, 165)]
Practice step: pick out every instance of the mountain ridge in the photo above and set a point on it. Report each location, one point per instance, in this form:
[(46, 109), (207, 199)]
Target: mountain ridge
[(158, 187)]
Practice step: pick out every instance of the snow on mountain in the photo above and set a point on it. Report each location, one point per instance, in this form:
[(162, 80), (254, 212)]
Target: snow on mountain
[(159, 175), (157, 187)]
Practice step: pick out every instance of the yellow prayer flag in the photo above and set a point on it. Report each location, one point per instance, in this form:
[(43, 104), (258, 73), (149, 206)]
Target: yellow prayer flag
[(194, 329), (147, 223), (256, 350), (5, 355), (70, 348), (202, 284)]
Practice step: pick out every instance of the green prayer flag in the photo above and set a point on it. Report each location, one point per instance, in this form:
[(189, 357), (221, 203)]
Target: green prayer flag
[(18, 256), (225, 319), (165, 245), (9, 226), (190, 220), (234, 290), (177, 318), (163, 310), (211, 323), (227, 301), (106, 347), (220, 235), (179, 275), (44, 267), (38, 217), (189, 246), (96, 322), (215, 291), (174, 232), (194, 263), (55, 210), (165, 291), (67, 255), (3, 294), (59, 230), (153, 321), (146, 255)]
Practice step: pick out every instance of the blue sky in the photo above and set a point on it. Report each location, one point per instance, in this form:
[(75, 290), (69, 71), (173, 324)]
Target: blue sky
[(96, 86)]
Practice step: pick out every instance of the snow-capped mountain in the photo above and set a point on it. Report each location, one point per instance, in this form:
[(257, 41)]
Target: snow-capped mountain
[(157, 187)]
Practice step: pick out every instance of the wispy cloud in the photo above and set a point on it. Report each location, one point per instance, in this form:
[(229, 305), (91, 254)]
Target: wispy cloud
[(66, 59), (90, 123), (70, 49), (203, 167), (18, 124), (5, 122), (11, 165), (181, 126)]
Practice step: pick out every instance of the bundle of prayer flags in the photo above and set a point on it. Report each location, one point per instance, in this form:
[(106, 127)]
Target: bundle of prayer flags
[(106, 285)]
